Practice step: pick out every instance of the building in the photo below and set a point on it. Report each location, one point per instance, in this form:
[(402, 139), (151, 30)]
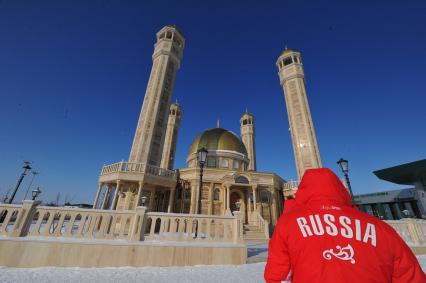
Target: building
[(390, 205), (230, 181), (292, 79)]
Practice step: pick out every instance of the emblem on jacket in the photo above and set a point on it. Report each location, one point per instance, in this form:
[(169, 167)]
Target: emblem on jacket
[(345, 253)]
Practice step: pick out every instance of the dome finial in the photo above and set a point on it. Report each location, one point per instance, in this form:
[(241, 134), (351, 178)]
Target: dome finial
[(218, 123)]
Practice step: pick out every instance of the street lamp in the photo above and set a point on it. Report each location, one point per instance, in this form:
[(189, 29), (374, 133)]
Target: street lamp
[(35, 193), (201, 158), (344, 166), (26, 168), (143, 199), (31, 182)]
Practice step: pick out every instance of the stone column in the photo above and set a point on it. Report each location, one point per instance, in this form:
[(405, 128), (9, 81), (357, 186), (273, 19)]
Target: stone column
[(95, 203), (138, 196), (228, 201), (274, 206), (211, 191), (114, 200), (193, 206), (254, 188), (171, 200), (106, 196)]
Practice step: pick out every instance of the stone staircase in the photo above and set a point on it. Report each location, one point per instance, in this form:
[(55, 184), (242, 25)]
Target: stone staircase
[(253, 234)]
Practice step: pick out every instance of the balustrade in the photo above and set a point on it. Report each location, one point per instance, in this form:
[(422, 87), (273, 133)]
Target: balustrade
[(129, 167), (44, 221)]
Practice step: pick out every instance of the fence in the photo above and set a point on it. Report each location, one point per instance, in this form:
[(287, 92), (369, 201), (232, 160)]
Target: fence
[(29, 219), (129, 167)]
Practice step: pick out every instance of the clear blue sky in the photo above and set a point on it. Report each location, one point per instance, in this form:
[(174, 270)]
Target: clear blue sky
[(73, 77)]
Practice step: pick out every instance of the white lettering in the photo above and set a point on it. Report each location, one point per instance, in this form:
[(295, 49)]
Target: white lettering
[(301, 221), (316, 224), (358, 229), (346, 230), (331, 229), (370, 233)]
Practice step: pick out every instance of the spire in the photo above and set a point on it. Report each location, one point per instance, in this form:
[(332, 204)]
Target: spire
[(218, 123)]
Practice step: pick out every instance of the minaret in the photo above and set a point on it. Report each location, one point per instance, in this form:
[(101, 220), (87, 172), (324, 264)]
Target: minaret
[(247, 136), (151, 129), (292, 79), (173, 124)]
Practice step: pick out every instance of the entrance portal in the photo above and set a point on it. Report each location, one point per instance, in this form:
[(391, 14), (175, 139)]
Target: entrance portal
[(235, 197)]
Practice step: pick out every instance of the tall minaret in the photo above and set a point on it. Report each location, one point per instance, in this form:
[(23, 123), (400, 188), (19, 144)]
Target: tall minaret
[(247, 135), (292, 79), (173, 124), (151, 130)]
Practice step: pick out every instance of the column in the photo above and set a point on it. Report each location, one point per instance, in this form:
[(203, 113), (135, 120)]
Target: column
[(254, 188), (100, 184), (228, 205), (171, 200), (138, 196), (106, 196), (193, 206), (274, 206), (210, 207), (249, 212), (114, 201)]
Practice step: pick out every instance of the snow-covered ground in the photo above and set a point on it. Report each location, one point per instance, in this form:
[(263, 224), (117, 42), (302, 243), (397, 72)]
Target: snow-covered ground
[(252, 272)]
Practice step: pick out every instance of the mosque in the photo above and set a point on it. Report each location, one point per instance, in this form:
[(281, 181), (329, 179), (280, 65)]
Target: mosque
[(229, 180)]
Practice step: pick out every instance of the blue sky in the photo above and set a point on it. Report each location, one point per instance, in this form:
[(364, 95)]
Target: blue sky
[(73, 76)]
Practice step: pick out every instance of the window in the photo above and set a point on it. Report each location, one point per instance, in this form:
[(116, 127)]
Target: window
[(244, 122), (224, 163), (287, 61), (211, 162), (295, 59), (216, 194), (236, 164)]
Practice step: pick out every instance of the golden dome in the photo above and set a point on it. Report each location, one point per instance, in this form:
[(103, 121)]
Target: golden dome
[(218, 139)]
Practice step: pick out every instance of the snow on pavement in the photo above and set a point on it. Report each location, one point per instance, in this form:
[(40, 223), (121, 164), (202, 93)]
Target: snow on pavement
[(252, 272)]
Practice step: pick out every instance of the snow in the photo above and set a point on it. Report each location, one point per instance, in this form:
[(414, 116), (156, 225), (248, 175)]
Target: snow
[(251, 272)]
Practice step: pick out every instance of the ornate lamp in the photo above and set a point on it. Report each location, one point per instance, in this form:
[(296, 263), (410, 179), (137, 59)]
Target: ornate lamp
[(143, 200), (343, 163), (202, 156), (35, 193), (344, 166)]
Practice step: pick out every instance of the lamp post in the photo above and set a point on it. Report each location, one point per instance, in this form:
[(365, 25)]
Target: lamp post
[(343, 163), (31, 182), (26, 168), (35, 193), (143, 200), (201, 158)]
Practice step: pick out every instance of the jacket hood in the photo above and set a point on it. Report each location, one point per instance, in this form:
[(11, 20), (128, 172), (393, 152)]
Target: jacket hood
[(322, 186)]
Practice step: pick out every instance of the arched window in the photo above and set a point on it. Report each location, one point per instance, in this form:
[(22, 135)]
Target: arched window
[(224, 163), (241, 180), (216, 194)]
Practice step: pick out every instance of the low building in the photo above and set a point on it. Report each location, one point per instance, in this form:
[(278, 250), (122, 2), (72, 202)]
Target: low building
[(390, 205)]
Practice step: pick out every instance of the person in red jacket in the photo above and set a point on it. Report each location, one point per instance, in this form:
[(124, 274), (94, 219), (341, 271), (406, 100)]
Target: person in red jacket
[(323, 238)]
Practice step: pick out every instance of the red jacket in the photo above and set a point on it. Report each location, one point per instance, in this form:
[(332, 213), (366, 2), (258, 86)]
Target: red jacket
[(322, 238)]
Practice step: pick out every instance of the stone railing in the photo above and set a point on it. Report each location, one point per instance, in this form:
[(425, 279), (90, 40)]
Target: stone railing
[(262, 224), (192, 227), (290, 185), (129, 167), (413, 231), (31, 220)]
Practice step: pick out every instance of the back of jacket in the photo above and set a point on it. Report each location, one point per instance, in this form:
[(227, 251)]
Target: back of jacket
[(322, 238)]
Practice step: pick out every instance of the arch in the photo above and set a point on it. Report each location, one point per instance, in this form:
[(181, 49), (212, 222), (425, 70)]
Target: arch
[(55, 222), (240, 179), (12, 221), (3, 215)]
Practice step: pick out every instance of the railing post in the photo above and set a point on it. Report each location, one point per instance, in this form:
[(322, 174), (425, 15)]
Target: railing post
[(413, 230), (138, 222), (28, 211)]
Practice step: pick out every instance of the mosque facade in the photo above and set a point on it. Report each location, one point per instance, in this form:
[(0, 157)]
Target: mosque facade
[(230, 180)]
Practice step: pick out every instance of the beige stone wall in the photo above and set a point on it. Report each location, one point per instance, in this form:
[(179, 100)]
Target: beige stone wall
[(36, 253)]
